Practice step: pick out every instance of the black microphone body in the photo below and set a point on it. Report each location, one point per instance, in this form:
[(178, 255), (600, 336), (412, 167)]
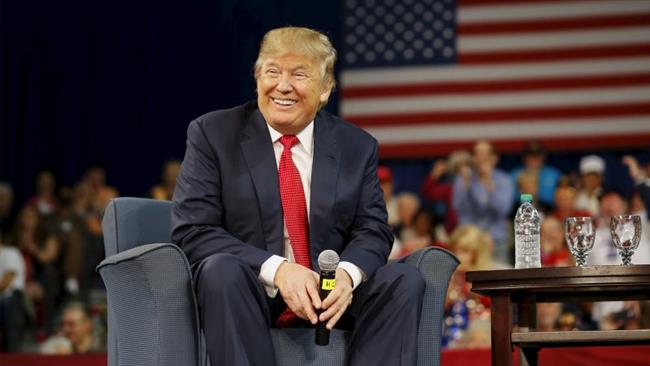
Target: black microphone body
[(328, 261), (326, 285)]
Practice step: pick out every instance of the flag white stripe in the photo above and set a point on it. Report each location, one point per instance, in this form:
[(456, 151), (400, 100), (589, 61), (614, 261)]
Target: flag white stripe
[(497, 72), (556, 40), (510, 130), (490, 101), (554, 10)]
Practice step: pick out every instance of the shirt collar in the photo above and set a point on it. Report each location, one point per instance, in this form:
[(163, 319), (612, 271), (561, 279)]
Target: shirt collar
[(306, 136)]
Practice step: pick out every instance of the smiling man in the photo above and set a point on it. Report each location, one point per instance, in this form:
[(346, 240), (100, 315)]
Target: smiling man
[(263, 189)]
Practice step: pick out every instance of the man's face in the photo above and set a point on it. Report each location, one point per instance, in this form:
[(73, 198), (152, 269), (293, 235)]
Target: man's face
[(75, 325), (289, 91), (565, 199), (611, 205), (483, 154)]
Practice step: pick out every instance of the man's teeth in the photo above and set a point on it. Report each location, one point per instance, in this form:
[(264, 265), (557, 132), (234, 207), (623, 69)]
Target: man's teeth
[(284, 101)]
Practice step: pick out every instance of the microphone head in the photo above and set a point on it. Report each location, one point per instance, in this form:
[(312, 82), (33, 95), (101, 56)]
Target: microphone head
[(328, 260)]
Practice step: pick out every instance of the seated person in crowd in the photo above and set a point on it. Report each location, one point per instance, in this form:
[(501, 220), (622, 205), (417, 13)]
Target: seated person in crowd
[(473, 247), (165, 189), (437, 188), (604, 252), (386, 183), (267, 186), (554, 250), (641, 179), (6, 211), (13, 314), (592, 170), (76, 336), (565, 199), (483, 197), (545, 177)]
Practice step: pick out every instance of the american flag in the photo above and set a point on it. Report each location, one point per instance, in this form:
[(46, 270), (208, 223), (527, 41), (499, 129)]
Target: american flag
[(429, 76)]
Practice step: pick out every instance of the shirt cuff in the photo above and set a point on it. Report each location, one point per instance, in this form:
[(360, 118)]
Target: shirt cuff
[(267, 274), (356, 274)]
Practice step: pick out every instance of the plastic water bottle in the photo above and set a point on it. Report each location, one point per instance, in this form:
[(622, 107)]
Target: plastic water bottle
[(527, 223)]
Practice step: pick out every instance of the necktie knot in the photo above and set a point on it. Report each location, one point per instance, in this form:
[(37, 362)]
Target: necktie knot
[(289, 141)]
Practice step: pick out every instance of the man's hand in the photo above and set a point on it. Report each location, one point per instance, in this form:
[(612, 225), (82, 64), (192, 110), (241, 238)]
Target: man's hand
[(299, 289), (635, 170), (338, 300)]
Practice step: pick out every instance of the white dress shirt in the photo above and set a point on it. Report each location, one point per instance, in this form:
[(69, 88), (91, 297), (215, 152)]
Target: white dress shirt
[(303, 157)]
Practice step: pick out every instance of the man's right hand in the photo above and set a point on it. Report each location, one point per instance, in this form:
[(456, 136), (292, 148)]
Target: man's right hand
[(298, 286)]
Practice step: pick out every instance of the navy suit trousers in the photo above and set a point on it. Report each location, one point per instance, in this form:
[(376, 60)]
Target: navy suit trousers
[(236, 314)]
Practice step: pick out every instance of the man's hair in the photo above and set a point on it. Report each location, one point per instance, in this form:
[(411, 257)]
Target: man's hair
[(77, 306), (302, 41)]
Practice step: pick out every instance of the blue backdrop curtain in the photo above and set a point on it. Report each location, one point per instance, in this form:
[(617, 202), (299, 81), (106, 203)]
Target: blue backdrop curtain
[(117, 82)]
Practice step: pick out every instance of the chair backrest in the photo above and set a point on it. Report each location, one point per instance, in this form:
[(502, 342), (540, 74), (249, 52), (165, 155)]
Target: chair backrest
[(129, 222)]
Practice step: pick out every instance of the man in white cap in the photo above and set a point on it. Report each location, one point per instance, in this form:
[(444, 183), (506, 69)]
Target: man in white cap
[(592, 168)]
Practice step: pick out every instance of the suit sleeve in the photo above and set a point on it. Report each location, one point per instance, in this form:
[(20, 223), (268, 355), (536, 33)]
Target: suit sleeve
[(198, 213), (371, 238)]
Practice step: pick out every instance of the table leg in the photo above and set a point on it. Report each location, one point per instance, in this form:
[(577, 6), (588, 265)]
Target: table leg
[(527, 321), (501, 330), (528, 356)]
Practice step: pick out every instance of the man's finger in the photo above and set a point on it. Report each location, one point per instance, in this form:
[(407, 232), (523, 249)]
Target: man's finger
[(341, 303), (332, 297), (312, 290), (307, 308), (332, 322)]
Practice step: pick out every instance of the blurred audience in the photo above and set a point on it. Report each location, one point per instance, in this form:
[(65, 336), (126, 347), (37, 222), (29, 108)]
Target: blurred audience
[(467, 314), (165, 189), (76, 336), (13, 313), (6, 211), (592, 170), (604, 253), (408, 204), (536, 177), (421, 235), (45, 199), (483, 196), (554, 249), (386, 183), (40, 251), (565, 204), (437, 188)]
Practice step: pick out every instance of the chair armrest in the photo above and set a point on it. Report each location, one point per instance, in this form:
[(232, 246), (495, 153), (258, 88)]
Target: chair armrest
[(152, 316), (436, 266)]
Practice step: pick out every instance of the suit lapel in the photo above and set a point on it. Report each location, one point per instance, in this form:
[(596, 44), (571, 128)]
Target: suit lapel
[(258, 152), (323, 182)]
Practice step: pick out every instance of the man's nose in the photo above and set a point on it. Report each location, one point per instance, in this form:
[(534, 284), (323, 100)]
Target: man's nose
[(284, 85)]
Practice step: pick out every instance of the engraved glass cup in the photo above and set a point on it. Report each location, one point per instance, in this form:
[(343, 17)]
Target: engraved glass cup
[(626, 234), (579, 234)]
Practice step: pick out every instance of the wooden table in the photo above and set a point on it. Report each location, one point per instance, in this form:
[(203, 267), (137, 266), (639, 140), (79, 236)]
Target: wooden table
[(526, 287)]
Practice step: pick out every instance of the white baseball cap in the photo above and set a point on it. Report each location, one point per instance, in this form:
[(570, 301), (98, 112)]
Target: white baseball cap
[(592, 164)]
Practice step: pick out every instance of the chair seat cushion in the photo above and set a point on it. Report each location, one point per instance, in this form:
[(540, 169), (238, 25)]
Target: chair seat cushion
[(296, 346)]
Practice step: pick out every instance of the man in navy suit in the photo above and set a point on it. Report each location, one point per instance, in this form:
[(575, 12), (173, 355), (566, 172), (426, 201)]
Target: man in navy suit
[(253, 213)]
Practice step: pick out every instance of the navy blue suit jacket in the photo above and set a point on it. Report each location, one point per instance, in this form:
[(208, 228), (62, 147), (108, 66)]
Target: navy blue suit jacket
[(227, 197)]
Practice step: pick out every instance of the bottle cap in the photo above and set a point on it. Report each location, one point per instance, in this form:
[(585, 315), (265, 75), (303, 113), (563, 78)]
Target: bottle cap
[(526, 198)]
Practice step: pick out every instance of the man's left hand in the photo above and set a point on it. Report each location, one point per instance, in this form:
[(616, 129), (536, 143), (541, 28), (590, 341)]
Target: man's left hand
[(338, 300)]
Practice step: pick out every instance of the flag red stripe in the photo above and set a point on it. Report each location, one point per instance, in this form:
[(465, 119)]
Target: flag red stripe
[(514, 146), (575, 53), (495, 86), (549, 25), (503, 115)]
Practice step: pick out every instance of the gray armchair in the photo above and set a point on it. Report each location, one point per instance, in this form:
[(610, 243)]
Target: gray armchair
[(152, 312)]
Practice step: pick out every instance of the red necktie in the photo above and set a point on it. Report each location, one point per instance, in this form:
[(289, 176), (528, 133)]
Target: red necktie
[(294, 208)]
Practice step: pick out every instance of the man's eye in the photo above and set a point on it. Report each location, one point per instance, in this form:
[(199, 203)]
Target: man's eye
[(272, 72), (301, 75)]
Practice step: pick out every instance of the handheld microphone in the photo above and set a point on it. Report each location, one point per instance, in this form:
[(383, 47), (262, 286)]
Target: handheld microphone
[(328, 261)]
